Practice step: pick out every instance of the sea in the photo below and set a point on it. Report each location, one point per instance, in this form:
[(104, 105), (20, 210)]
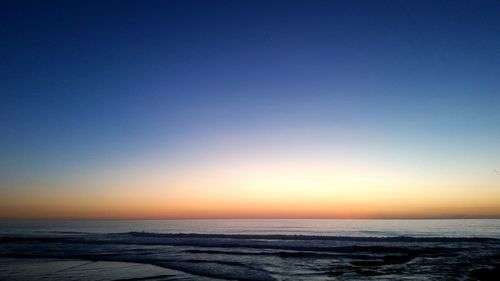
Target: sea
[(250, 249)]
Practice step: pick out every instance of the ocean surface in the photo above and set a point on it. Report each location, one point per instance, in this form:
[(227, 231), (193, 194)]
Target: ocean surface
[(298, 249)]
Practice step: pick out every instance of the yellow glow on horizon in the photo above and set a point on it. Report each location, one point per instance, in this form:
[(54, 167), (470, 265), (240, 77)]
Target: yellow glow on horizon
[(268, 191), (260, 183)]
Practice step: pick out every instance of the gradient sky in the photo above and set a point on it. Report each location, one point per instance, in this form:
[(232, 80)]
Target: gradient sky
[(189, 109)]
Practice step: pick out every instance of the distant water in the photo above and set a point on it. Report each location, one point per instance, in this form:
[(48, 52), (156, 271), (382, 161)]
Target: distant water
[(325, 227), (252, 250)]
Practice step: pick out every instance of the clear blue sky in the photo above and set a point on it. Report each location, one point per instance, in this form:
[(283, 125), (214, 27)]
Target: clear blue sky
[(85, 85)]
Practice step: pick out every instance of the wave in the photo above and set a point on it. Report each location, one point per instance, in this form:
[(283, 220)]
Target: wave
[(261, 257), (339, 244), (311, 237)]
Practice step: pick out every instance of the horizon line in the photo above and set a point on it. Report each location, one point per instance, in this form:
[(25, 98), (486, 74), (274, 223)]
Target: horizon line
[(244, 218)]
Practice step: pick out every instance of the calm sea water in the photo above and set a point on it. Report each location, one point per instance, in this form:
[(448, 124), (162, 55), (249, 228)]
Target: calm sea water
[(331, 227)]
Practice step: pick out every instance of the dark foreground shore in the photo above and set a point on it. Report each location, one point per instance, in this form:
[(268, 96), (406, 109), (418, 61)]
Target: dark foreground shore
[(150, 256)]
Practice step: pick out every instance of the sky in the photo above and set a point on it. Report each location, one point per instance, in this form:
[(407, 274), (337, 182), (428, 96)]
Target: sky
[(249, 109)]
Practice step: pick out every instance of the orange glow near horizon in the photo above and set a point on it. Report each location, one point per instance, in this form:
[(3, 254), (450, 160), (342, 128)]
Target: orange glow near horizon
[(254, 178), (259, 190)]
